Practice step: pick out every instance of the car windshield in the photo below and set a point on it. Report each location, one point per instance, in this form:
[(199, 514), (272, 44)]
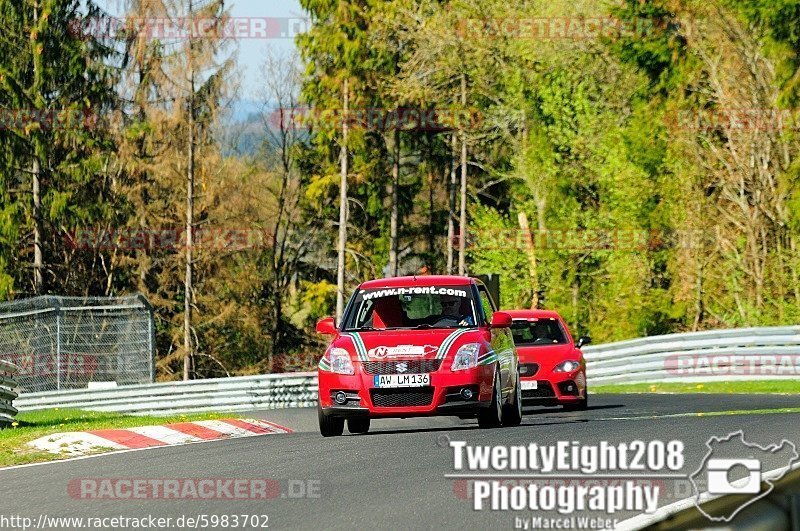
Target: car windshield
[(411, 307), (537, 332)]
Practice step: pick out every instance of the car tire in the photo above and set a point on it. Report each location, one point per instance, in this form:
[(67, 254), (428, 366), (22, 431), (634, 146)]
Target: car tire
[(512, 413), (329, 426), (492, 416), (358, 425)]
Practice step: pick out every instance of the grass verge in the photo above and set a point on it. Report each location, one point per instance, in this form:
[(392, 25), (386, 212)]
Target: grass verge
[(32, 425), (743, 387)]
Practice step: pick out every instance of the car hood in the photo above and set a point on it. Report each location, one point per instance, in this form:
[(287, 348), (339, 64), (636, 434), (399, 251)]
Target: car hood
[(390, 345), (547, 353)]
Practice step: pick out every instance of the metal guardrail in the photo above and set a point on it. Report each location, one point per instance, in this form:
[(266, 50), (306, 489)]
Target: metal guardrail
[(723, 355), (240, 393), (637, 360), (7, 392)]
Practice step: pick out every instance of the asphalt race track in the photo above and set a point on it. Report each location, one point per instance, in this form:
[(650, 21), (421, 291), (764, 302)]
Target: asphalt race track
[(393, 477)]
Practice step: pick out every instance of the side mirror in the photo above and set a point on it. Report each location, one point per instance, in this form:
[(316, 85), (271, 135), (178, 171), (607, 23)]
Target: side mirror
[(583, 340), (326, 326), (501, 320)]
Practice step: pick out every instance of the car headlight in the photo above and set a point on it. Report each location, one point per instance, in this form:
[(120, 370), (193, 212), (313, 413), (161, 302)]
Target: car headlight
[(567, 366), (340, 361), (466, 357)]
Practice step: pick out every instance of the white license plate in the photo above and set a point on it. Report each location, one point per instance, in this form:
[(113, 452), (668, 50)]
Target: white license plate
[(402, 380), (529, 384)]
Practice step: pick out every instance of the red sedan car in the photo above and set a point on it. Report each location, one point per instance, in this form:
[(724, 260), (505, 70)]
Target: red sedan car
[(418, 346), (552, 368)]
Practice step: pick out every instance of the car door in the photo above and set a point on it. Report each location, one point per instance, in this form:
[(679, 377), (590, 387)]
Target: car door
[(502, 343)]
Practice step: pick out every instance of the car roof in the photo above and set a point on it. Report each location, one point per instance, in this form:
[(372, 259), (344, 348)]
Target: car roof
[(421, 280), (533, 314)]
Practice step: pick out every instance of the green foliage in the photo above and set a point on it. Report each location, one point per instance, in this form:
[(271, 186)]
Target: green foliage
[(496, 246)]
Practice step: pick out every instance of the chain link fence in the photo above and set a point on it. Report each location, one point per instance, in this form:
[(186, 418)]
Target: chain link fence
[(67, 342)]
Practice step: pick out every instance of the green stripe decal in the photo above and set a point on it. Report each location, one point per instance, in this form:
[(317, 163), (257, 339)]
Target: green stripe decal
[(445, 345), (361, 349), (490, 353), (324, 364), (487, 357), (448, 342)]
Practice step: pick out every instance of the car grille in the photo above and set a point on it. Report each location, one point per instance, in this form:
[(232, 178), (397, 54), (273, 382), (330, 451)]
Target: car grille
[(528, 369), (402, 397), (412, 366), (545, 390)]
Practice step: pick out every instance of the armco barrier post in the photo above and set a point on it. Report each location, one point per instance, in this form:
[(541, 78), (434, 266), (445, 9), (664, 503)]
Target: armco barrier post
[(7, 392)]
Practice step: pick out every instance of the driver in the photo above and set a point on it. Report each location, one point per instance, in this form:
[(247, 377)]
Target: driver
[(451, 308)]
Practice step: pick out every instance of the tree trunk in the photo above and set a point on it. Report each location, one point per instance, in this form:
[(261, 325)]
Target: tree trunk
[(38, 225), (188, 288), (38, 261), (431, 217), (279, 237), (276, 326), (462, 243), (699, 308), (575, 293), (795, 273), (531, 248), (188, 280), (395, 207), (451, 210), (342, 210)]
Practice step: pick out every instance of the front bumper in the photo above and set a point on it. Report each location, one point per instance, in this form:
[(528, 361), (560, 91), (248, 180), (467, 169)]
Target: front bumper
[(442, 397), (555, 388)]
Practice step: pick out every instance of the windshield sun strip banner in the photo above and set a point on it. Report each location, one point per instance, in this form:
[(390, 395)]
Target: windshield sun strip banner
[(448, 342), (414, 290)]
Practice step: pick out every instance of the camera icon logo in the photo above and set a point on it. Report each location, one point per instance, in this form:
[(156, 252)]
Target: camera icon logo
[(734, 466), (721, 474)]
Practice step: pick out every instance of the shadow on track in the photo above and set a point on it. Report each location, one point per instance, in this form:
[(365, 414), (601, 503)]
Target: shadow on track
[(561, 417), (468, 427), (542, 410)]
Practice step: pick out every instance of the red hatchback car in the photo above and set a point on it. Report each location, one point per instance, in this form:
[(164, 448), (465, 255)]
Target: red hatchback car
[(418, 346), (552, 368)]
